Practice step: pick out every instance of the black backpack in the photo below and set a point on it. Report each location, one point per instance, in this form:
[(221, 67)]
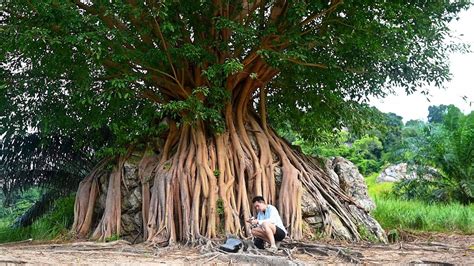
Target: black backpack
[(231, 245)]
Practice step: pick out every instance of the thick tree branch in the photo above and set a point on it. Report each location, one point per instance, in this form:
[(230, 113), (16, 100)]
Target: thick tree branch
[(316, 15), (157, 31), (279, 8), (110, 21), (306, 64), (248, 10)]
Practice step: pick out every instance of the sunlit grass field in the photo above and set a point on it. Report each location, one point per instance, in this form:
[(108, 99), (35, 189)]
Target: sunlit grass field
[(394, 213)]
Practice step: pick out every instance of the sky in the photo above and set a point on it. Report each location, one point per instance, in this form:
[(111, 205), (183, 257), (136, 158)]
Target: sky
[(415, 106)]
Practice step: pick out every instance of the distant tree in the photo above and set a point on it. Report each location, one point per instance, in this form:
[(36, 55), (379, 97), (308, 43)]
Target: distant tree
[(436, 113), (449, 148), (392, 125), (414, 123), (50, 162), (366, 154), (452, 151), (410, 141), (369, 147)]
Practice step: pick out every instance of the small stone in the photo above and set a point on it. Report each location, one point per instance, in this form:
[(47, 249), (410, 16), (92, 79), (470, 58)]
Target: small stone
[(315, 221)]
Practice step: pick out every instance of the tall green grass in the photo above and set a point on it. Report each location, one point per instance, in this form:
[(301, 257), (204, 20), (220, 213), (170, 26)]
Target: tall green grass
[(378, 189), (420, 216), (393, 213), (55, 223)]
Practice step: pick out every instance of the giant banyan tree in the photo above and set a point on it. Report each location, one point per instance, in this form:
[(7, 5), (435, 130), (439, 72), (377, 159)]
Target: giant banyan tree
[(197, 89)]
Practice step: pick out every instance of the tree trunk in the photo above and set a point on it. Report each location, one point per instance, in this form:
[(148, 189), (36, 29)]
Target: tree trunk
[(201, 184)]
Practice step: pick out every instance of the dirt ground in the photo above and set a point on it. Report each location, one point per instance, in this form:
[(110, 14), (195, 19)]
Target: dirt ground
[(420, 249)]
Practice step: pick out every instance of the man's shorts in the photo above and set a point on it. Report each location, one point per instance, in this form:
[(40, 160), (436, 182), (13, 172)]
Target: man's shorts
[(279, 236)]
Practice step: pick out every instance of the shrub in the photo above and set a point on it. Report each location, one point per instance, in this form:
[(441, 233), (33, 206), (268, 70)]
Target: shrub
[(52, 225)]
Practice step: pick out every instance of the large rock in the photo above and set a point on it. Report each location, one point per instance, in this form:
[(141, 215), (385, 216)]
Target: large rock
[(402, 171), (395, 173), (345, 175), (130, 177), (352, 182), (309, 207), (339, 230), (131, 201)]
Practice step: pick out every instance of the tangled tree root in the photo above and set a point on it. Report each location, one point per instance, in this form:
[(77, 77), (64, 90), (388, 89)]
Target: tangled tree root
[(200, 185)]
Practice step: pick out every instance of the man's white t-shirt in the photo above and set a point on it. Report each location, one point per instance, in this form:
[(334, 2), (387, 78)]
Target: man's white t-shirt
[(271, 215)]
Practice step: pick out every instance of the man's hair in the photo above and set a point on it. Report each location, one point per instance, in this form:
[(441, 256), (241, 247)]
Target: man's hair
[(259, 199)]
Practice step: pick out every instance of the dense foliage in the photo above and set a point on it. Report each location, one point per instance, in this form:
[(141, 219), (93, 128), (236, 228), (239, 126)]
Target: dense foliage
[(440, 151), (365, 152), (448, 147), (20, 203), (89, 70), (31, 160), (55, 223)]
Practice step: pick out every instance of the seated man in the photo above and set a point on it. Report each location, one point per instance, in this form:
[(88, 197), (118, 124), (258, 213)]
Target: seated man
[(268, 225)]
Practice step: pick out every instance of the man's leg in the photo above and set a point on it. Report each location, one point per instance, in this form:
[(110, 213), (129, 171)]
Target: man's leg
[(260, 233), (266, 231), (279, 236), (259, 237), (269, 230)]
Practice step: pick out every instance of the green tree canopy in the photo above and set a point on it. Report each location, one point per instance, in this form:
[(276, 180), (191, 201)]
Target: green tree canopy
[(70, 62)]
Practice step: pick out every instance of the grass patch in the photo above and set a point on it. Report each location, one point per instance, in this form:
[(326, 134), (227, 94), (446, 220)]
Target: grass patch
[(393, 213), (419, 216), (111, 238), (52, 225), (375, 189)]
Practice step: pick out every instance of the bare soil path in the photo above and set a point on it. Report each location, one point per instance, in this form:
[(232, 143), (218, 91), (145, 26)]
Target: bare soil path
[(421, 249)]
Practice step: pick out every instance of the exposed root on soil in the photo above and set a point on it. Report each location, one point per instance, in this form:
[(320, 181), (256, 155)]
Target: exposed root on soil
[(285, 255)]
